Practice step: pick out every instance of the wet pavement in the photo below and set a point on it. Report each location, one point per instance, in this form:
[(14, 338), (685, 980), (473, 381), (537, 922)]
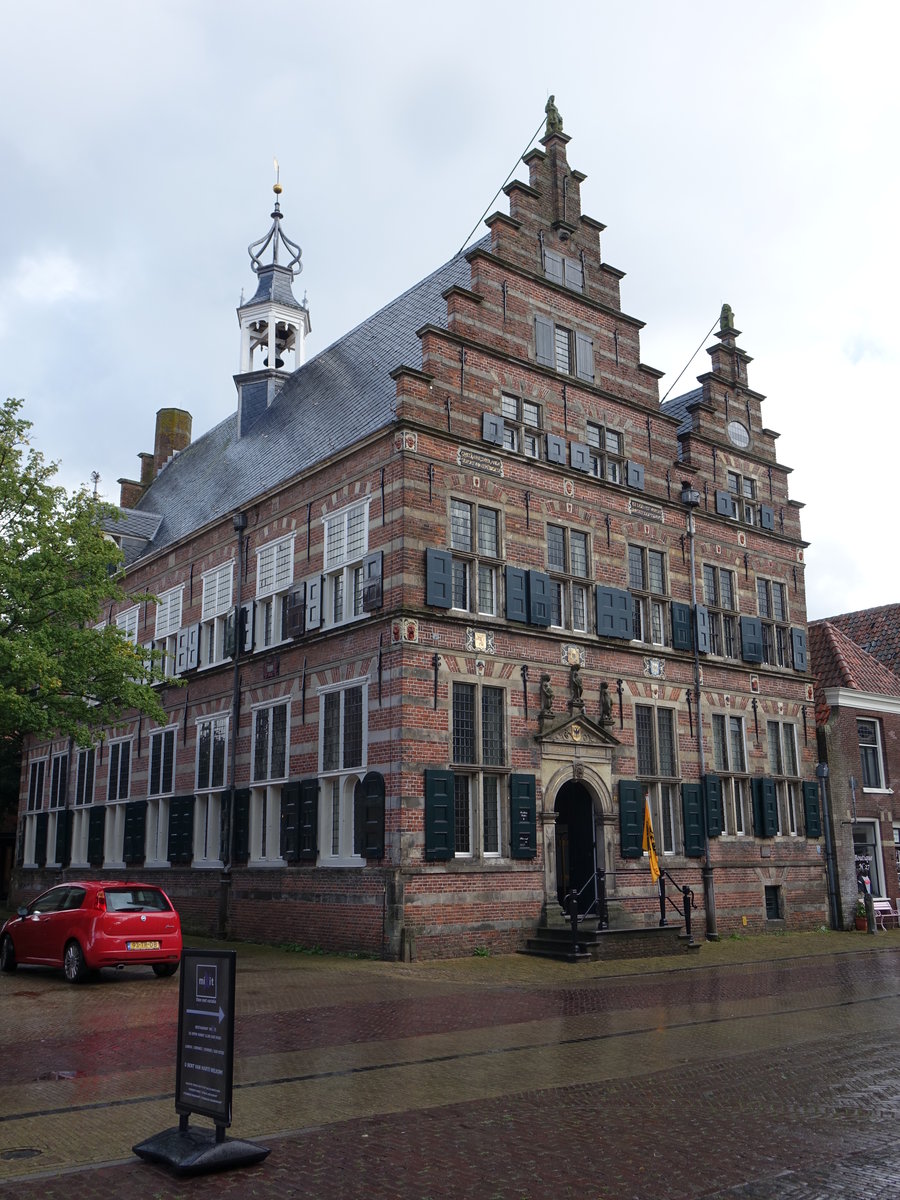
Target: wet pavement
[(761, 1068)]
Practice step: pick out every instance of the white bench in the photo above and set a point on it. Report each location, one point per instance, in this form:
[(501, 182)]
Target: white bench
[(883, 910)]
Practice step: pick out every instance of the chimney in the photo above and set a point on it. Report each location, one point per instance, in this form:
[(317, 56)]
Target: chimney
[(173, 434), (130, 491)]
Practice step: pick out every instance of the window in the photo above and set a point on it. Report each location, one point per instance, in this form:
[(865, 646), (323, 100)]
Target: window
[(84, 777), (522, 424), (127, 624), (119, 770), (567, 563), (657, 768), (168, 623), (647, 584), (162, 763), (563, 349), (346, 543), (478, 741), (730, 761), (212, 740), (606, 453), (207, 829), (720, 597), (871, 760), (59, 776), (270, 741), (774, 911), (215, 613), (343, 749), (475, 549), (567, 272), (771, 599), (783, 766), (274, 577), (36, 785), (743, 488)]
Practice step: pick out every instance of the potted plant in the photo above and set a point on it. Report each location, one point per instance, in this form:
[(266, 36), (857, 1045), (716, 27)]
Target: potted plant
[(861, 921)]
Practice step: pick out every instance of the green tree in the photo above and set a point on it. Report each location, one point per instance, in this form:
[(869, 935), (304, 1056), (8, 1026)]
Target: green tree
[(59, 576)]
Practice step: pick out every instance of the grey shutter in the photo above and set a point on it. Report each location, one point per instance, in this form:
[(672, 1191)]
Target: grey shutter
[(96, 829), (293, 621), (703, 639), (553, 266), (765, 808), (522, 817), (766, 516), (240, 825), (556, 449), (631, 818), (309, 820), (290, 821), (580, 457), (181, 829), (313, 602), (492, 428), (373, 815), (812, 816), (538, 598), (247, 624), (751, 640), (798, 648), (634, 476), (516, 594), (373, 590), (439, 816), (63, 837), (186, 646), (712, 791), (543, 342), (681, 626), (438, 578), (614, 613), (584, 357), (726, 505), (692, 816)]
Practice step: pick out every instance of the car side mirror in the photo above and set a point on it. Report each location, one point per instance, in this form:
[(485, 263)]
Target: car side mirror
[(22, 912)]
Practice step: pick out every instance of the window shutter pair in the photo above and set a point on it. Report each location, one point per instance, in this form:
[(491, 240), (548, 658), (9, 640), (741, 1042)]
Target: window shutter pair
[(181, 829), (615, 613), (527, 596), (811, 814), (751, 639), (63, 837), (440, 844), (523, 817), (692, 819), (96, 831), (187, 645), (135, 826), (765, 808), (683, 627)]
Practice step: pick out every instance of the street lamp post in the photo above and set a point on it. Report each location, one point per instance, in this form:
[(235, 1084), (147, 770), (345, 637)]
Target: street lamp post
[(690, 498)]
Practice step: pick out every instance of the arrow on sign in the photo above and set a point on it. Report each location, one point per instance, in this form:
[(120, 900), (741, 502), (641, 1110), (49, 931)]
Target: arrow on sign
[(203, 1012)]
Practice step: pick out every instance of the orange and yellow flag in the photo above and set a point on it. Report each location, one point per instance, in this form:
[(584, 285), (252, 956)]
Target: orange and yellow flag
[(649, 843)]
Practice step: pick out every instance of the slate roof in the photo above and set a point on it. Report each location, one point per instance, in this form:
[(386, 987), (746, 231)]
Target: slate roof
[(134, 524), (677, 407), (337, 398), (876, 630), (838, 661)]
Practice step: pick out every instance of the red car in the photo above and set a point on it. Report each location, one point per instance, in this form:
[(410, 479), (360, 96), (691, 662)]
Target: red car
[(82, 927)]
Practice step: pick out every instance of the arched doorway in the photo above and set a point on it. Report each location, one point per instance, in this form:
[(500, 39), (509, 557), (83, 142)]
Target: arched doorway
[(576, 861)]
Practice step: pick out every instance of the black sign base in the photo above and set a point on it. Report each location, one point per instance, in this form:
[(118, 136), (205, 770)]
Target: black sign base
[(197, 1151)]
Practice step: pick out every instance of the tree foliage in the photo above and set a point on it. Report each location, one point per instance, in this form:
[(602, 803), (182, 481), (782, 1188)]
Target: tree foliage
[(61, 670)]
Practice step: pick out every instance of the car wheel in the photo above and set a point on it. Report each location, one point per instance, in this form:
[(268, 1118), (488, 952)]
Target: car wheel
[(163, 970), (74, 965), (7, 955)]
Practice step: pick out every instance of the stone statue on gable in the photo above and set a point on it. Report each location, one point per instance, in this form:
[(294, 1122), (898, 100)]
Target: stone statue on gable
[(554, 120)]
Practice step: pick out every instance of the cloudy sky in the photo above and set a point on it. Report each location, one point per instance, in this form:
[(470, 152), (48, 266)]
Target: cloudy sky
[(740, 153)]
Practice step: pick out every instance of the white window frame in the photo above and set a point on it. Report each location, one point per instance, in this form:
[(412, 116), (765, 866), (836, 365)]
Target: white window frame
[(207, 830), (113, 794), (270, 776), (472, 565), (274, 579), (609, 460), (216, 607), (879, 754), (344, 563), (127, 624), (265, 825), (215, 721), (168, 623), (156, 833), (735, 782), (157, 743), (470, 787), (338, 814)]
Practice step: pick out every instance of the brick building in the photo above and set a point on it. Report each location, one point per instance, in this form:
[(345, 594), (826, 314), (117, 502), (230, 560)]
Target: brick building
[(451, 602), (853, 657)]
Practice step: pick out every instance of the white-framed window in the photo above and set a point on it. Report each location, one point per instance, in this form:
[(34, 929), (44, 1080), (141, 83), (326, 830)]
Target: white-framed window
[(563, 349), (475, 552), (119, 775), (207, 830), (871, 758), (212, 745), (215, 613), (657, 768), (274, 577), (156, 832), (567, 272), (161, 779), (114, 836), (168, 623), (743, 488), (346, 544), (479, 763), (647, 584), (522, 425), (730, 762), (37, 771), (867, 850), (720, 598), (771, 598), (265, 825), (607, 452), (781, 739), (59, 779), (127, 624), (271, 738), (84, 776), (343, 753), (568, 564)]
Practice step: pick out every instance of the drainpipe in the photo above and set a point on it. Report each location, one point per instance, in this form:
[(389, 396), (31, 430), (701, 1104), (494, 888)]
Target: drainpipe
[(239, 522), (822, 777)]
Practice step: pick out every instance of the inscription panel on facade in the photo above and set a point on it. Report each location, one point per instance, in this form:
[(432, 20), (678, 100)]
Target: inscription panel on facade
[(473, 461), (649, 512)]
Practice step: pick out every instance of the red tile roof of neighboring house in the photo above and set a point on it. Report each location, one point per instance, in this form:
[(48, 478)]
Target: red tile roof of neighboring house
[(876, 630), (837, 661)]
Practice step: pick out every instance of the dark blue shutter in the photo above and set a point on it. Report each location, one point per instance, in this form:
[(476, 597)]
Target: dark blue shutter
[(290, 821), (631, 818), (373, 815), (96, 829), (543, 342), (63, 837), (516, 594), (439, 816), (681, 626), (135, 826), (240, 825), (765, 808), (766, 516), (692, 815), (523, 817), (556, 449), (438, 578), (726, 505), (811, 815), (712, 791), (634, 476), (798, 648), (492, 428), (538, 598), (181, 829), (580, 457), (294, 619), (703, 640), (309, 820), (751, 640), (614, 613), (40, 839)]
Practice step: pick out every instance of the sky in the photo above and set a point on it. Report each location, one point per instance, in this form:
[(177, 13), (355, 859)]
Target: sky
[(739, 153)]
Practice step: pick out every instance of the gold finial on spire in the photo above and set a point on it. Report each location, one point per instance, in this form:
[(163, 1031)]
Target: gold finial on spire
[(276, 187)]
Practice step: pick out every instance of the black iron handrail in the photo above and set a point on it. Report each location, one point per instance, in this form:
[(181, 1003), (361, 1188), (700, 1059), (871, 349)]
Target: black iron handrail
[(687, 898)]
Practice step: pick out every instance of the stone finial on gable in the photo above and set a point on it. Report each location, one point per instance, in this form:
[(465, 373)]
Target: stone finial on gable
[(554, 120)]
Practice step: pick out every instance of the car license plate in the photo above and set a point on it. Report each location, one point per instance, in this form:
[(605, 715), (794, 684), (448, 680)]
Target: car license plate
[(142, 945)]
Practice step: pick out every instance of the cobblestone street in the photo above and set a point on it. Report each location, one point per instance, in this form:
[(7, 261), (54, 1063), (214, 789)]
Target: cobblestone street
[(763, 1068)]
